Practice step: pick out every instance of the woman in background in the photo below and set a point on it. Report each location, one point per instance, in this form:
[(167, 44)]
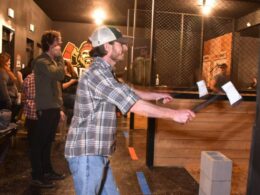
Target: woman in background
[(8, 89)]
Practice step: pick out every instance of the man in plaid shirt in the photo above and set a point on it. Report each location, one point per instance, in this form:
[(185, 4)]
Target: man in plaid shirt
[(92, 135)]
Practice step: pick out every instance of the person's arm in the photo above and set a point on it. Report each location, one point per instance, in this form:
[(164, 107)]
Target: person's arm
[(19, 78), (148, 109), (10, 74), (69, 83), (145, 95), (62, 115), (126, 100), (44, 66)]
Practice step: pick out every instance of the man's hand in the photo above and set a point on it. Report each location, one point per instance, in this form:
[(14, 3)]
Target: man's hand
[(183, 116), (164, 97), (62, 116)]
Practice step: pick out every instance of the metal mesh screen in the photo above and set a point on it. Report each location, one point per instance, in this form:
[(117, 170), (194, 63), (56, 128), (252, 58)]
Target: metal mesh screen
[(190, 50), (246, 56), (167, 48), (216, 27), (140, 66), (188, 46)]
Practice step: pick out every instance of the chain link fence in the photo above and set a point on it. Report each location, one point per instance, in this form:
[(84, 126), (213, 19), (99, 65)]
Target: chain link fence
[(187, 46)]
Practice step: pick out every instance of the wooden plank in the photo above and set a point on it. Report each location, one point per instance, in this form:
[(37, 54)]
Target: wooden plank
[(243, 107), (218, 127), (140, 122), (164, 144), (202, 126), (219, 117), (175, 102), (182, 162), (196, 153), (175, 162), (172, 135), (225, 117)]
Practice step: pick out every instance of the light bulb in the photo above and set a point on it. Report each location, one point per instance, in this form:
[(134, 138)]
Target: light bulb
[(99, 21), (210, 3), (206, 10), (99, 13)]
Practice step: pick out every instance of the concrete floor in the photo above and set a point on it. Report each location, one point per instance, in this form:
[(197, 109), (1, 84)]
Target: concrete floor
[(15, 171)]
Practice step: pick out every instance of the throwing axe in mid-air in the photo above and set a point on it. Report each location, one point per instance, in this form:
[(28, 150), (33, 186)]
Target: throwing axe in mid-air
[(229, 90)]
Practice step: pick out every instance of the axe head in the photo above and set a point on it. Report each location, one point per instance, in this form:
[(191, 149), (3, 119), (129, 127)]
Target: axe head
[(232, 94), (203, 91)]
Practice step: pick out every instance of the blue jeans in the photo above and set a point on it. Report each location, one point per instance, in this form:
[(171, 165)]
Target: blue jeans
[(87, 174)]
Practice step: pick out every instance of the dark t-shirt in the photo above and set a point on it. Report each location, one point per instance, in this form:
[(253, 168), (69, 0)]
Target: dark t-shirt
[(71, 89), (26, 71)]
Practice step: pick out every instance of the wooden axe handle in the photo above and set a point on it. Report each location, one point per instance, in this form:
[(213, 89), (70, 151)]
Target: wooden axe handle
[(204, 104)]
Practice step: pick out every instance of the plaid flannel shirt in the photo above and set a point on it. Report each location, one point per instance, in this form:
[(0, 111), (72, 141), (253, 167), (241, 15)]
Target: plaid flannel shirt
[(93, 126), (29, 97)]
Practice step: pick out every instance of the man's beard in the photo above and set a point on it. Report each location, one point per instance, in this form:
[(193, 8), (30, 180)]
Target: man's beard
[(118, 57)]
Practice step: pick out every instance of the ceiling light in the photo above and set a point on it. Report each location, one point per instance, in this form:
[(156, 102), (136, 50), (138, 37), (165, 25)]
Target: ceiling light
[(206, 6), (98, 21), (200, 2), (206, 10), (210, 3), (10, 12), (248, 24), (99, 16), (31, 27)]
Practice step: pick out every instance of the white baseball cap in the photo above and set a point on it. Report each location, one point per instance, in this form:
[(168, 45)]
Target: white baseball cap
[(106, 34)]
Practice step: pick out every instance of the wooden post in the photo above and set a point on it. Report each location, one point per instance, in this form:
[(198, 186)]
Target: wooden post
[(132, 120), (150, 142), (253, 182)]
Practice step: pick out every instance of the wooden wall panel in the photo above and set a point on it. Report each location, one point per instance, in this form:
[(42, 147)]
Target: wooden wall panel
[(218, 127), (140, 122)]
